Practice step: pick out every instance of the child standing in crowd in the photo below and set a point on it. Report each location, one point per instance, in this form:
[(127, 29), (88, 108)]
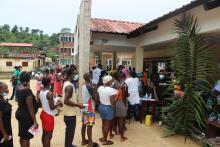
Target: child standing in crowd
[(5, 118), (107, 97), (88, 115), (48, 113)]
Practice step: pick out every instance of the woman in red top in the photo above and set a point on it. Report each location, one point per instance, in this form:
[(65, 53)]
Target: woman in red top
[(57, 83)]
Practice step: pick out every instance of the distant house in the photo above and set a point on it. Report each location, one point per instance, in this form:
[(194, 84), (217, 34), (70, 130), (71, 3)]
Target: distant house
[(24, 54), (66, 48)]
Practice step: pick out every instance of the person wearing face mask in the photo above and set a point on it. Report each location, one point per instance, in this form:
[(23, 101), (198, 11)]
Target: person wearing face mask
[(26, 111), (5, 118), (70, 107), (75, 82)]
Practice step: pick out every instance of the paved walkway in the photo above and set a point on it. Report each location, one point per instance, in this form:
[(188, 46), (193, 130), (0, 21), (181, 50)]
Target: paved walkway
[(138, 134)]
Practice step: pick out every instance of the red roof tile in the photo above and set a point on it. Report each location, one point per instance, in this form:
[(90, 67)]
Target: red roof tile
[(113, 26), (10, 44)]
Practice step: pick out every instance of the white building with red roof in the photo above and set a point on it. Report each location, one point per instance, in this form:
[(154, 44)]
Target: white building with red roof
[(138, 44), (24, 54)]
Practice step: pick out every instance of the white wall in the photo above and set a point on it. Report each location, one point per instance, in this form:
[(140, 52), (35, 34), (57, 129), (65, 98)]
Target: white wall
[(209, 21), (4, 68)]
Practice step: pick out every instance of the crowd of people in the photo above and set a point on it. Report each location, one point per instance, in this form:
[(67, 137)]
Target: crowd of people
[(110, 94)]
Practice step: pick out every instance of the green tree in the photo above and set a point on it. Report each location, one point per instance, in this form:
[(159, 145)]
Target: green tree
[(36, 36), (41, 33), (54, 39), (3, 50), (65, 30), (194, 68), (6, 28), (34, 31), (51, 53), (14, 29), (21, 29), (27, 29)]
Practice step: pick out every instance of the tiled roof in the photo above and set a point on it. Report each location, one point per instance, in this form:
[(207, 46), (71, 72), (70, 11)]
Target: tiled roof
[(10, 44), (113, 26)]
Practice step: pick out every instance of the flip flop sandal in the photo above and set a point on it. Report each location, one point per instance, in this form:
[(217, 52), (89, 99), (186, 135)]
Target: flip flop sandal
[(108, 143)]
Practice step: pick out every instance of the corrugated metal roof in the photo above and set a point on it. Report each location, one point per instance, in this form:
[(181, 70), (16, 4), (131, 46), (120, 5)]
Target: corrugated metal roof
[(113, 26), (10, 44)]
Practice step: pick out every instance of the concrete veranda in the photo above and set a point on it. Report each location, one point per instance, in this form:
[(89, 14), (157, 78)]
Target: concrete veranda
[(138, 134)]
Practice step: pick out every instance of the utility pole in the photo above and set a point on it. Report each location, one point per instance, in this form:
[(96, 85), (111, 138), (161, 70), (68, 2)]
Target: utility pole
[(84, 40)]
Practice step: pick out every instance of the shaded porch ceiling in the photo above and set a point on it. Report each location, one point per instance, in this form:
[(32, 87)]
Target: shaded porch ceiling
[(213, 38), (101, 46)]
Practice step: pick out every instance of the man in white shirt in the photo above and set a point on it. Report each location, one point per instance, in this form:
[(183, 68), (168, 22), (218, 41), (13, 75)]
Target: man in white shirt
[(134, 98), (96, 75)]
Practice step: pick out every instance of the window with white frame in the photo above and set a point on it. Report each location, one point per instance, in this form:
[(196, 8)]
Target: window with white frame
[(109, 62), (126, 62)]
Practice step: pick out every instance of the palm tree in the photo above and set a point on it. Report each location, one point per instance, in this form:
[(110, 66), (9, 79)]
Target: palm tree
[(194, 68)]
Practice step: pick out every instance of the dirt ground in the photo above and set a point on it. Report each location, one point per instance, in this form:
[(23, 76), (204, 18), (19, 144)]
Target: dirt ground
[(138, 134)]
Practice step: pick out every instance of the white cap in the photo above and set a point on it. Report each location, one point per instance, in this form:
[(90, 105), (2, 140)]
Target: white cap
[(106, 79)]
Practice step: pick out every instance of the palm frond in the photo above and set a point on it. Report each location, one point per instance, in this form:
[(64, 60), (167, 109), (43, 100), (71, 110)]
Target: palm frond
[(194, 66)]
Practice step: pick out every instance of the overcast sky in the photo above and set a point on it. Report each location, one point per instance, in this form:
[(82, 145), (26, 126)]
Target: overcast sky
[(52, 15)]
